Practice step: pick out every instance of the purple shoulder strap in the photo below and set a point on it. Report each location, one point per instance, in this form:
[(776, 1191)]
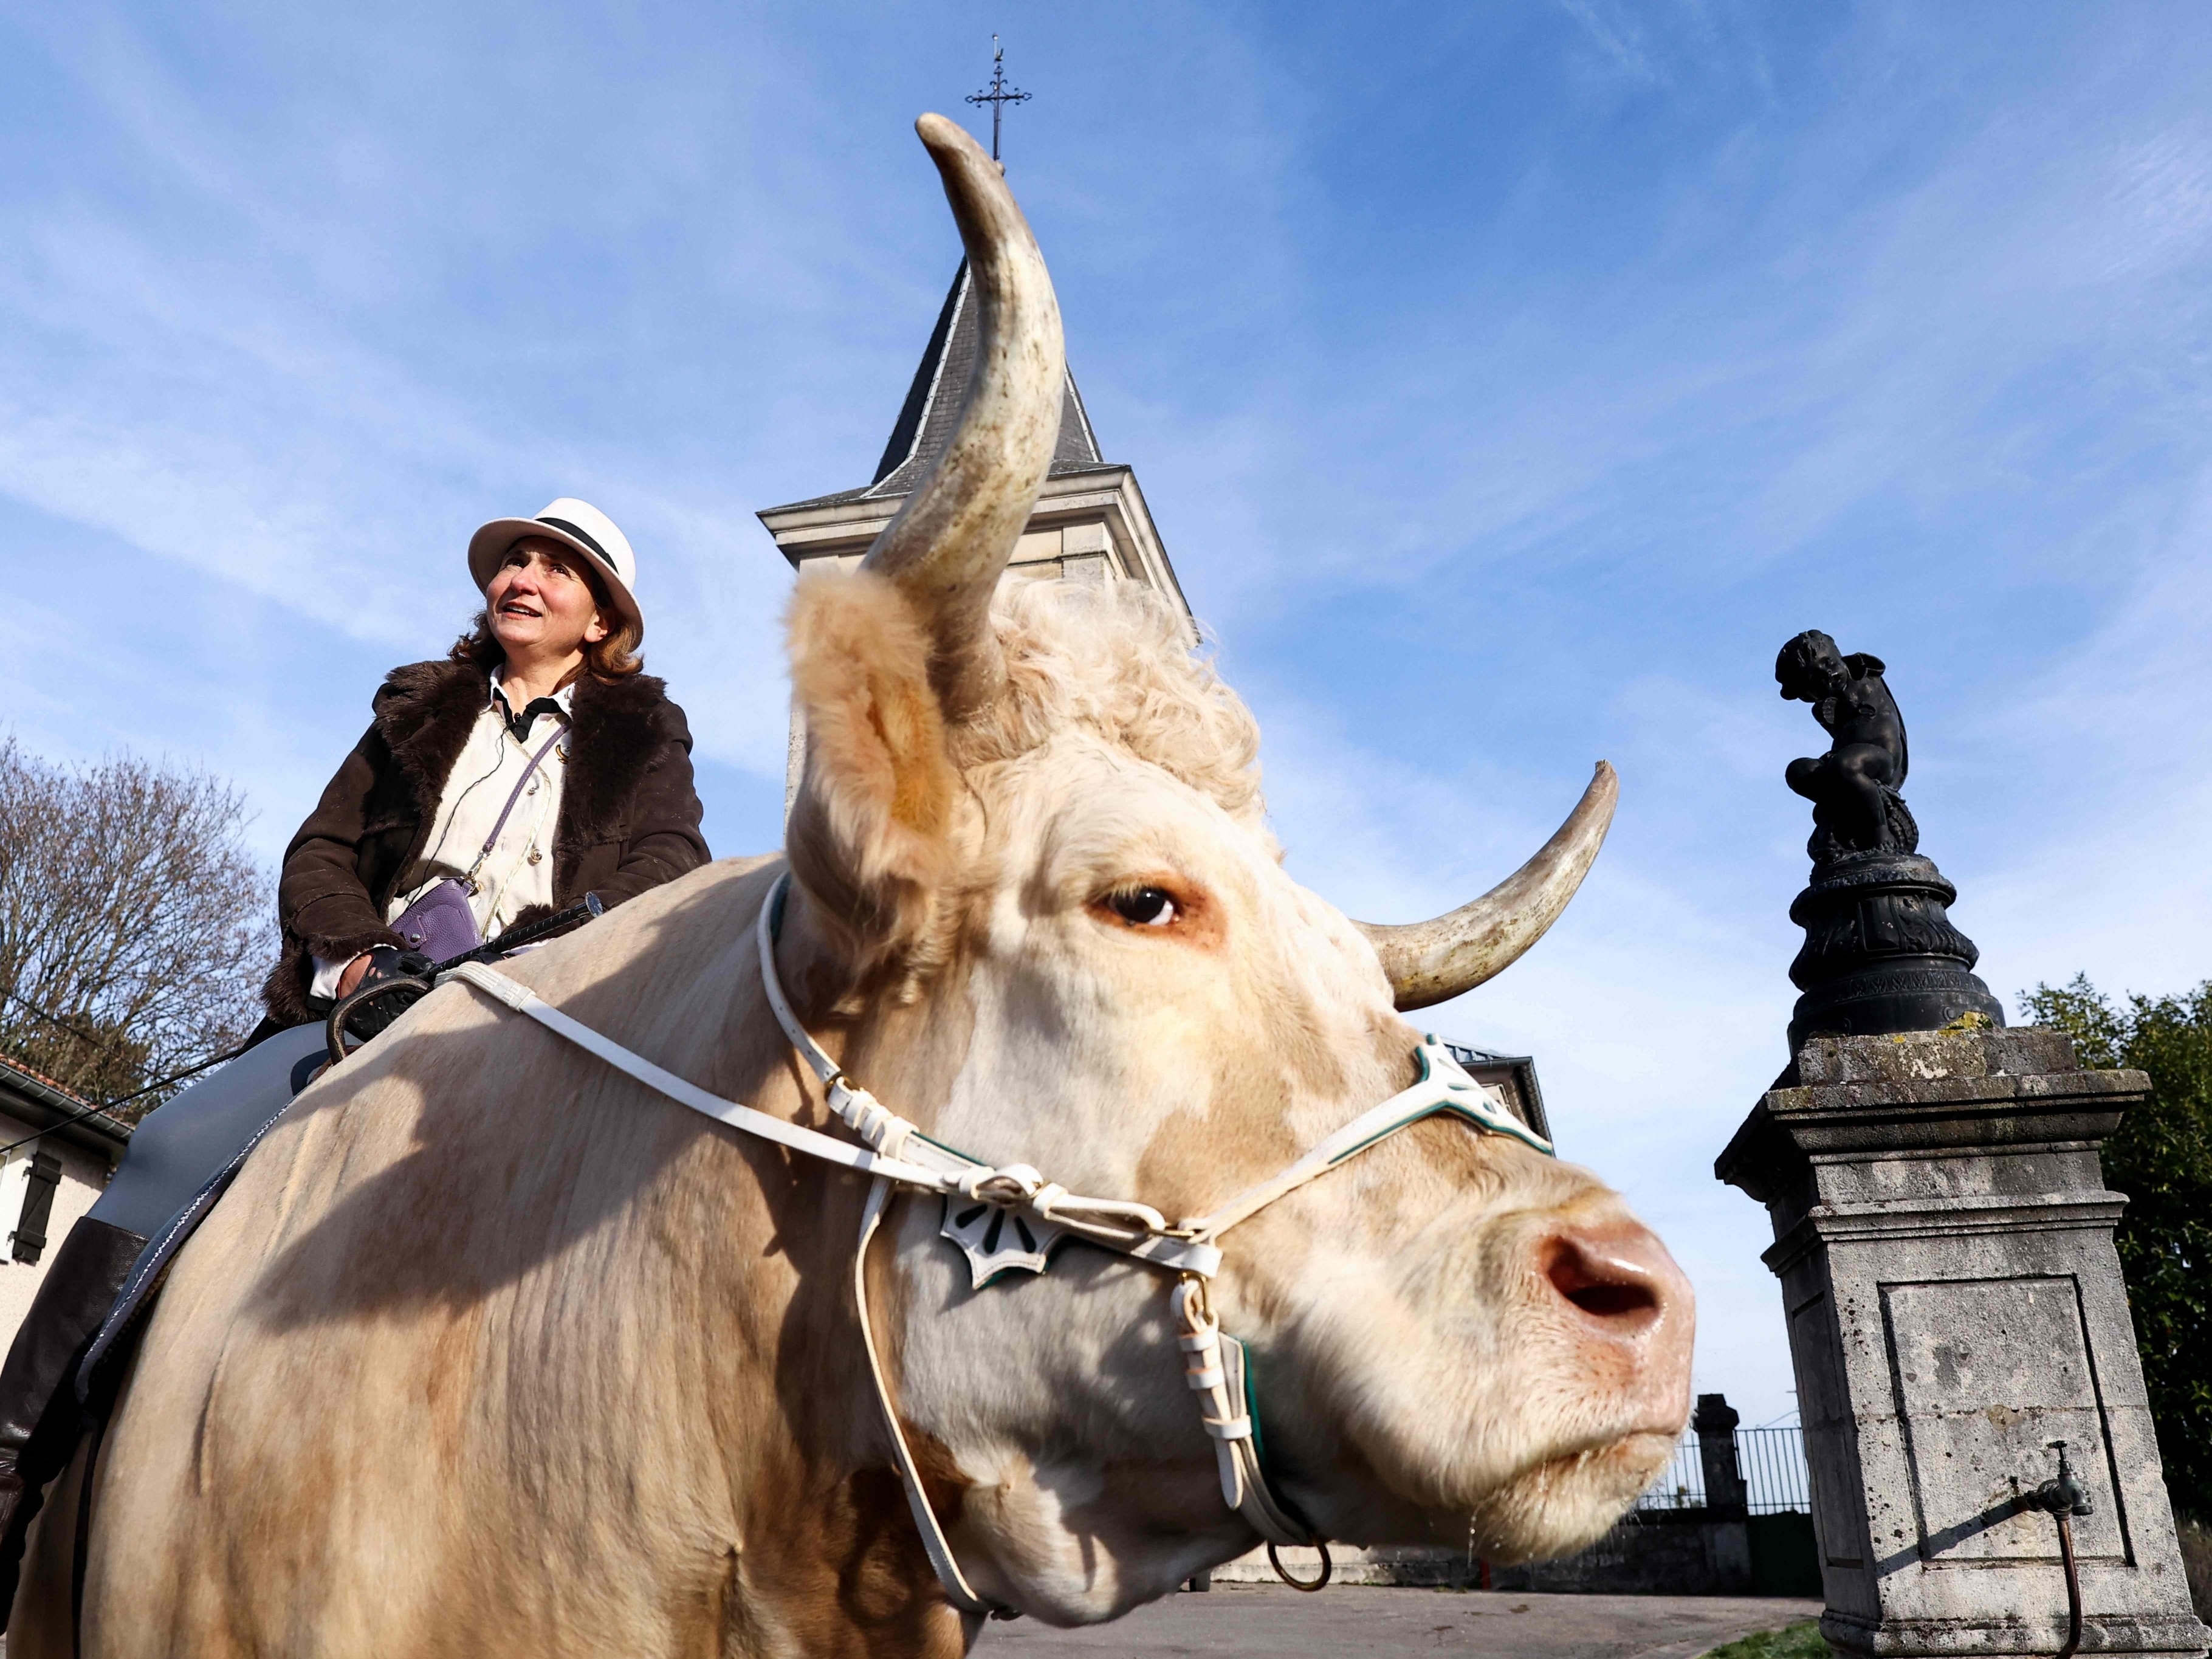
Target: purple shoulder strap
[(515, 795)]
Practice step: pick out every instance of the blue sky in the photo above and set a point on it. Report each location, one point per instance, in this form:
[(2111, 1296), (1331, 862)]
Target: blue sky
[(1507, 386)]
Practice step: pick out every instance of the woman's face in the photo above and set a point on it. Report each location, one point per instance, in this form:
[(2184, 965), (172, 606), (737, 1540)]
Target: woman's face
[(541, 602)]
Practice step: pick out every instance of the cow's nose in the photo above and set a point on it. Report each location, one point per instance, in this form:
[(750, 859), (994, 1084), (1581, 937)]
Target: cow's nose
[(1618, 1277)]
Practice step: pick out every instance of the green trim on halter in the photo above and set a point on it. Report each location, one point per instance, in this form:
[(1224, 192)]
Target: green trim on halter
[(1252, 1407), (1268, 1474)]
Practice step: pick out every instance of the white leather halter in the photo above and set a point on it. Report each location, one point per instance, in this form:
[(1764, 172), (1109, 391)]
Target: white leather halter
[(1014, 1199)]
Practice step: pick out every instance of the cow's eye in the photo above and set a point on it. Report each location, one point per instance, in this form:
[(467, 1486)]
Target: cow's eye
[(1144, 906)]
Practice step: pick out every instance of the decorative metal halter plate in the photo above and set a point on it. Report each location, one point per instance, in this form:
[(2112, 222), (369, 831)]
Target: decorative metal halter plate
[(996, 1239)]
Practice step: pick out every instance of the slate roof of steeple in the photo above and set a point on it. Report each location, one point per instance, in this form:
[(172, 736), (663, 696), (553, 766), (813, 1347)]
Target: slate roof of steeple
[(931, 408)]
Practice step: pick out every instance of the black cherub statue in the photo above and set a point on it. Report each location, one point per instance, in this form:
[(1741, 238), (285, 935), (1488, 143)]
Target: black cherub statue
[(1854, 786), (1881, 953)]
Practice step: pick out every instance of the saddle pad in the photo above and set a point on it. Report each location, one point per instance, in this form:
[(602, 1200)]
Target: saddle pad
[(188, 1138), (117, 1333)]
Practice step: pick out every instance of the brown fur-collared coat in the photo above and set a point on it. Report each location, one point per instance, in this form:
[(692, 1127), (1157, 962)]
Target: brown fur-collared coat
[(629, 816)]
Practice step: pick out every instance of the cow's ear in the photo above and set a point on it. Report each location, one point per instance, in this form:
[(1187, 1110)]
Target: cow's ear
[(870, 830)]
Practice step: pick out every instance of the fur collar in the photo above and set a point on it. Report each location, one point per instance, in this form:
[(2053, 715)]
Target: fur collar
[(426, 711), (615, 724)]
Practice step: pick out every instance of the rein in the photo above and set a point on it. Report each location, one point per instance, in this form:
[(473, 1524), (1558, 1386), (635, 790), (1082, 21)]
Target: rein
[(895, 1153)]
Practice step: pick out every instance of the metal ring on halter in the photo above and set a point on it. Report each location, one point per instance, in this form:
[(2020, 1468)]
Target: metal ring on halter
[(1327, 1567)]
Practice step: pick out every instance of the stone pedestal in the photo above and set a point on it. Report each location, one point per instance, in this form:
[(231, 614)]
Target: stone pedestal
[(1881, 953), (1944, 1242)]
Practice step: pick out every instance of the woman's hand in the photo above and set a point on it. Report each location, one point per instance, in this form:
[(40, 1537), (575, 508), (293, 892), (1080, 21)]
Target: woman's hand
[(355, 971)]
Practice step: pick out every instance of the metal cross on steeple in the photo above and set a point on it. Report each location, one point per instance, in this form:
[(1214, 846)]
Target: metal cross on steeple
[(999, 95)]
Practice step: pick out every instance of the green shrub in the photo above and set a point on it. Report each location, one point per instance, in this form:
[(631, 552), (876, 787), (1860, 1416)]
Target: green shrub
[(2161, 1158)]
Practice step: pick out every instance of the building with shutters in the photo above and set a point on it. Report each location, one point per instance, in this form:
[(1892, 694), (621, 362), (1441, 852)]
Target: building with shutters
[(51, 1171)]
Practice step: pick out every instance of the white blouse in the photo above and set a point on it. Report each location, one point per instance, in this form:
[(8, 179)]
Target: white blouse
[(519, 871)]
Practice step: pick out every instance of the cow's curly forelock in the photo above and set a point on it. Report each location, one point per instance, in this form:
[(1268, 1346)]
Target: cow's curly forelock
[(1117, 660)]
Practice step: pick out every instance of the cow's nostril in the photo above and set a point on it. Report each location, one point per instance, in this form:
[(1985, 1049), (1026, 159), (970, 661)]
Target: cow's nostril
[(1614, 1301), (1603, 1278)]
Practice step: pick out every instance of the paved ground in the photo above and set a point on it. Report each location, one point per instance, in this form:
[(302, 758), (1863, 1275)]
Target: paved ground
[(1276, 1621)]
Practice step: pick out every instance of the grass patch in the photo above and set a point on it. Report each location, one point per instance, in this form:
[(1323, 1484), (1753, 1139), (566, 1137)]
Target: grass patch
[(1798, 1642)]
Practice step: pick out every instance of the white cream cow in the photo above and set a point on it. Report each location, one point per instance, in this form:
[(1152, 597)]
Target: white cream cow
[(492, 1351)]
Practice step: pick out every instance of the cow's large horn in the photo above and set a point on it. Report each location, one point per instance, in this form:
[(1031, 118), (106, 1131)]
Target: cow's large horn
[(1429, 961), (952, 537)]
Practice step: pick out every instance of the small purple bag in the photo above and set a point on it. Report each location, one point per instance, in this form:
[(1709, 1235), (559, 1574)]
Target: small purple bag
[(441, 924)]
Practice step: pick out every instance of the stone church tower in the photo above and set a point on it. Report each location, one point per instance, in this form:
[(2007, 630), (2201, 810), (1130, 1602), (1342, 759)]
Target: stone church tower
[(1090, 523)]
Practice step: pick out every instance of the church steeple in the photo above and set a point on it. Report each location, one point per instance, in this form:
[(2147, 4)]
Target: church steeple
[(1090, 523), (931, 408)]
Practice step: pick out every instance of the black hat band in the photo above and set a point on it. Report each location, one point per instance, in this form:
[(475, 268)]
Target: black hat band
[(583, 536)]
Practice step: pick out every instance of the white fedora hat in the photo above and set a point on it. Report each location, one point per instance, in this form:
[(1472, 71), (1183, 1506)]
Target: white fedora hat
[(574, 524)]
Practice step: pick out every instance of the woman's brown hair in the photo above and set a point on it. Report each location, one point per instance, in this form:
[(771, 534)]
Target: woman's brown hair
[(613, 658)]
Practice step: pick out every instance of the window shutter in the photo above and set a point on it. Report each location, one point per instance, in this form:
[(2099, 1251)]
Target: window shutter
[(29, 1238)]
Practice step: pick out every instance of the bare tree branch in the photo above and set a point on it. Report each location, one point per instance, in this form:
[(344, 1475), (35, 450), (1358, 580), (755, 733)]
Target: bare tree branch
[(130, 918)]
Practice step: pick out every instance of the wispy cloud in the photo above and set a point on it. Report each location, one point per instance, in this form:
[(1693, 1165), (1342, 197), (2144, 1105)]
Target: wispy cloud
[(1618, 35)]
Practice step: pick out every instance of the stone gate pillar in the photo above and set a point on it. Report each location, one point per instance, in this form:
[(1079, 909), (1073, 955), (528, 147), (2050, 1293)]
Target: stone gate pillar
[(1944, 1240), (1727, 1510), (1714, 1423)]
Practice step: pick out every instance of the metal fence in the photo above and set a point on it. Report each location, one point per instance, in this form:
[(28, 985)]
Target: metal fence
[(1773, 1465), (1771, 1460), (1682, 1486)]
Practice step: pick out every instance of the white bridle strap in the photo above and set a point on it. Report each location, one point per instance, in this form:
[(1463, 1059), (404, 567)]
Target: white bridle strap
[(897, 1152), (764, 931), (1213, 1369), (934, 1543), (1443, 1086), (744, 1119), (1135, 1230)]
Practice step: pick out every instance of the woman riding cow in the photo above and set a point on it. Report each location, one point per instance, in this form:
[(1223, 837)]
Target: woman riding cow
[(533, 765), (610, 810)]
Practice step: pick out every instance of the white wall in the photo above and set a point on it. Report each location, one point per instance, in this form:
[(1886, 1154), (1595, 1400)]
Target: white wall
[(83, 1178)]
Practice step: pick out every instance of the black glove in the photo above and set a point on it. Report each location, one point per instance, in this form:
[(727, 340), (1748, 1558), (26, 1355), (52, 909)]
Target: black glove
[(408, 972), (384, 962)]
